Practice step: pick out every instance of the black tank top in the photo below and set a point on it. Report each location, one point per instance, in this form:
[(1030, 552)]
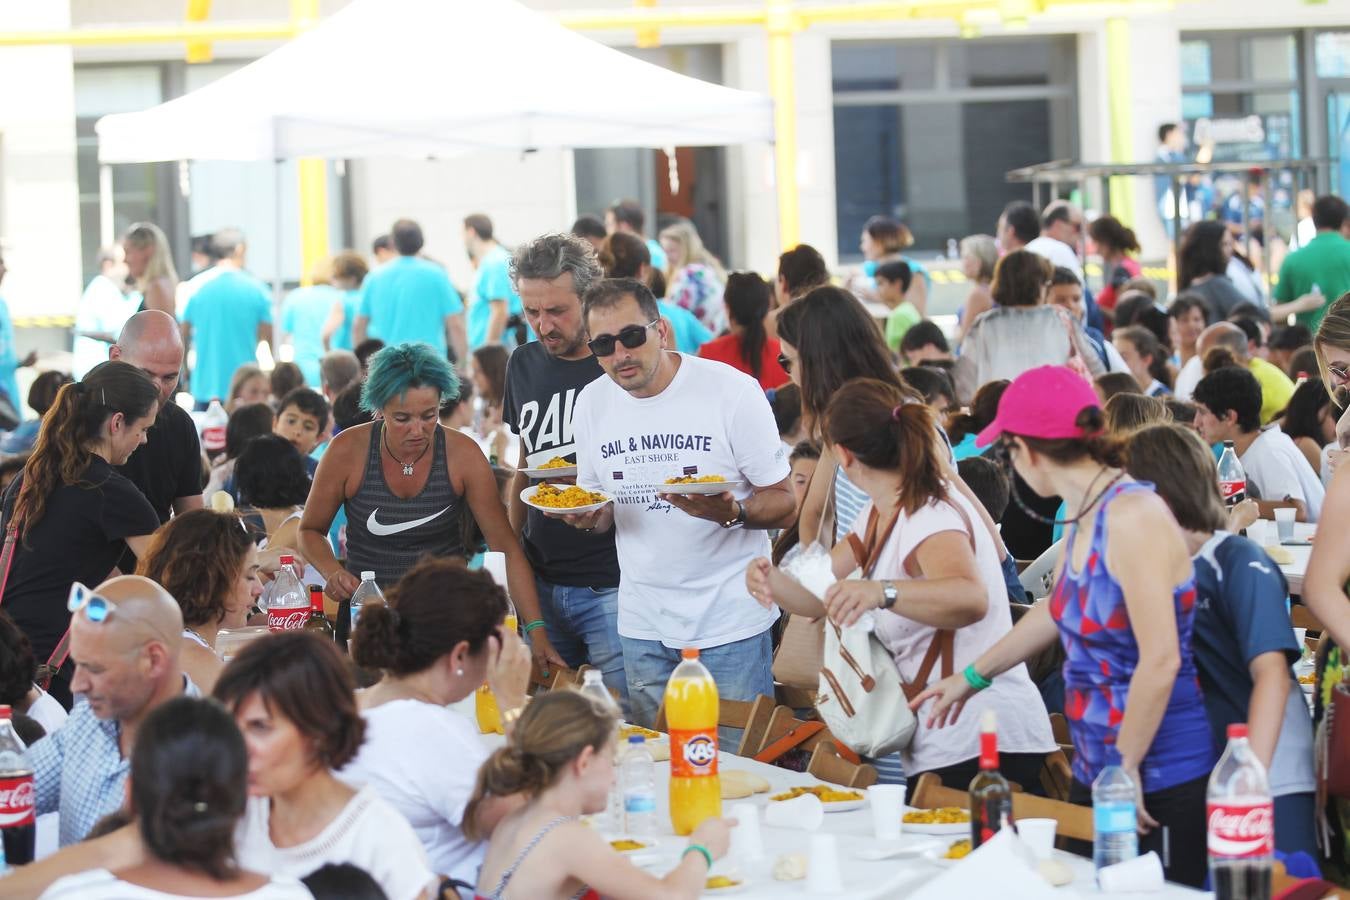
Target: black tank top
[(387, 534)]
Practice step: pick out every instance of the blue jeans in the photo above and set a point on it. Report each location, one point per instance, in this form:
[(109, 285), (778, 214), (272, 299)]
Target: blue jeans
[(742, 669), (582, 624)]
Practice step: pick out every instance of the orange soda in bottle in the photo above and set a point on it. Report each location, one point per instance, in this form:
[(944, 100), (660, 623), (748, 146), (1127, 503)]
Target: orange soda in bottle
[(484, 703), (691, 713)]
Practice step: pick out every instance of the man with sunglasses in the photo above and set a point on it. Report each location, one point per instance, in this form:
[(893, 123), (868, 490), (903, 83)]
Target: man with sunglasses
[(577, 574), (661, 415), (125, 638)]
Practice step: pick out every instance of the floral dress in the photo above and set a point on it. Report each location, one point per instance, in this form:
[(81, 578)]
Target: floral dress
[(697, 288)]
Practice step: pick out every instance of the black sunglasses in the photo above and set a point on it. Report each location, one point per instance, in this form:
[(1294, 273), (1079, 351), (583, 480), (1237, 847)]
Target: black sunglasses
[(785, 362), (632, 337)]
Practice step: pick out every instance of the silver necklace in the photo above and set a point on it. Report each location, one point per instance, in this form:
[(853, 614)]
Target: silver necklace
[(407, 466)]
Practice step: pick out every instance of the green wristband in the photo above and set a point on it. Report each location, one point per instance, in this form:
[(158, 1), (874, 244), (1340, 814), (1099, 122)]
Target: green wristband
[(975, 679), (531, 626), (698, 848)]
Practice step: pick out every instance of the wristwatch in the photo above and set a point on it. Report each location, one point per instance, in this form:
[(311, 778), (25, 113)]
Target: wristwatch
[(738, 519), (889, 594)]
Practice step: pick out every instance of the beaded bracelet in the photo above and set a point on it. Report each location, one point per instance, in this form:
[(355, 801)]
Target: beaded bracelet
[(975, 679)]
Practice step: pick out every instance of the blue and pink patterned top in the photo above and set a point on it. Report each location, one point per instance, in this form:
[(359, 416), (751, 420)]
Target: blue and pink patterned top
[(1094, 628)]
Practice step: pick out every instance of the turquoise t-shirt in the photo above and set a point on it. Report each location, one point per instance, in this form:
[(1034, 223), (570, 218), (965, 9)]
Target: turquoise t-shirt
[(9, 360), (407, 299), (492, 282), (658, 254), (225, 314), (342, 338), (303, 315), (689, 331)]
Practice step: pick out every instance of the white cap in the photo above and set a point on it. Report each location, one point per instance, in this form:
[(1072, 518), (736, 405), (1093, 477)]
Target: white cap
[(367, 576)]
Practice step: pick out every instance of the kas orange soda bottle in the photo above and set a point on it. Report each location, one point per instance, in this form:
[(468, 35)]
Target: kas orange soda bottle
[(485, 704), (691, 713)]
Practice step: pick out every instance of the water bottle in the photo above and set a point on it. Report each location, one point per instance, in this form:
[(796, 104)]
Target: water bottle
[(1115, 828), (367, 592), (953, 251), (593, 685), (637, 775)]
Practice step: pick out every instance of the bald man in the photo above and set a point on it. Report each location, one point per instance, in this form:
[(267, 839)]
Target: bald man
[(125, 666), (168, 467), (1276, 388)]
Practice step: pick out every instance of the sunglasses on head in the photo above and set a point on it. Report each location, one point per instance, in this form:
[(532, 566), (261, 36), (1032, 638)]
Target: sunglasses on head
[(97, 608), (632, 337)]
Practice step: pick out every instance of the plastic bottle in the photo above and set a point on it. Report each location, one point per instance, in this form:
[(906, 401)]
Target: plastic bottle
[(213, 427), (1232, 477), (638, 777), (367, 592), (692, 712), (953, 251), (485, 704), (593, 686), (990, 793), (18, 801), (1114, 824), (1241, 817), (288, 605)]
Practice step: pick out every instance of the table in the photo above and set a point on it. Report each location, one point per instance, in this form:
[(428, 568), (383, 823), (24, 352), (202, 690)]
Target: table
[(863, 879), (1263, 532)]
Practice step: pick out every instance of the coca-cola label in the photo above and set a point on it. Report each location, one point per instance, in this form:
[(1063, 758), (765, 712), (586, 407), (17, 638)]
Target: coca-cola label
[(1238, 830), (213, 437), (1231, 489), (18, 803), (287, 618)]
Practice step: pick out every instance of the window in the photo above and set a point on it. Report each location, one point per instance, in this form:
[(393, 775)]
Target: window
[(1241, 89), (927, 132)]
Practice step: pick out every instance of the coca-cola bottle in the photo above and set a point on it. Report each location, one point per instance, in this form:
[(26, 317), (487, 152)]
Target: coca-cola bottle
[(1232, 477), (288, 605), (214, 422), (317, 621), (1241, 822), (18, 802), (990, 794)]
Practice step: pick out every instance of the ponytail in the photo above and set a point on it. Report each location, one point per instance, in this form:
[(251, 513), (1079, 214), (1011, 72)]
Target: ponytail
[(747, 298), (1219, 358), (1146, 343), (551, 733), (76, 419), (890, 431)]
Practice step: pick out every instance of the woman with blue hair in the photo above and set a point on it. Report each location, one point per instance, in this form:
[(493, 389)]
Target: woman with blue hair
[(404, 481)]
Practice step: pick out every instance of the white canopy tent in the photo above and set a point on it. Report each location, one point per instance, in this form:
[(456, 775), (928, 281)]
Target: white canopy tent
[(436, 78)]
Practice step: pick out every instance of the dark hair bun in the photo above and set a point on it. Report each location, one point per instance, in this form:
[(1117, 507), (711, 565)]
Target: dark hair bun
[(376, 641)]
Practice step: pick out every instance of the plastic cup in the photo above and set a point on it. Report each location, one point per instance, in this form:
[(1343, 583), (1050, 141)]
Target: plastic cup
[(822, 867), (804, 813), (887, 802), (1038, 835), (1284, 522), (1143, 873), (747, 841)]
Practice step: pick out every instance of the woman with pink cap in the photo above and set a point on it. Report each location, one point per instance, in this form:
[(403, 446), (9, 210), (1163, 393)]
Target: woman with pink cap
[(1123, 608)]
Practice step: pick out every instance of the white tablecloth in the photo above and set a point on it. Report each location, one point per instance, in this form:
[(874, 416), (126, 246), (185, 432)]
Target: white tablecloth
[(863, 879), (1265, 533)]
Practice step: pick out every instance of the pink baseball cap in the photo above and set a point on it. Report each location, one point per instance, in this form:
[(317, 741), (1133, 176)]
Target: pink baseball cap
[(1042, 403)]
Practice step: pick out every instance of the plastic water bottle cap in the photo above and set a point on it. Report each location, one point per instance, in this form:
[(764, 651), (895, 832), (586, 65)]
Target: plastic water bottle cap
[(367, 576), (637, 739), (288, 560)]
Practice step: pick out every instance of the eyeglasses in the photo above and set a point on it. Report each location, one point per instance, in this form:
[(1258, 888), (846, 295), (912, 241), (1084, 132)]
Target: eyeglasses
[(632, 337), (1339, 372), (97, 608), (786, 362)]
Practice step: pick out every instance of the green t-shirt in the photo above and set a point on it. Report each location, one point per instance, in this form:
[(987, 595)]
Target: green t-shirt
[(902, 319), (1324, 261)]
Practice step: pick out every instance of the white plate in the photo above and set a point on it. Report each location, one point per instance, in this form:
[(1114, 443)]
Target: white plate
[(528, 493), (962, 828), (705, 487), (558, 472), (838, 805)]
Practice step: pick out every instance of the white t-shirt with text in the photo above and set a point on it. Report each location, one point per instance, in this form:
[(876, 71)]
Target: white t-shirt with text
[(100, 884), (1023, 723), (423, 760), (1279, 469), (683, 579)]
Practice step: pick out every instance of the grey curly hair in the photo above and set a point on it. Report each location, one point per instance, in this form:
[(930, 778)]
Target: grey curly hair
[(547, 257)]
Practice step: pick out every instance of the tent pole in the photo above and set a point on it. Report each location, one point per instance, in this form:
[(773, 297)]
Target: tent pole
[(782, 25), (107, 223)]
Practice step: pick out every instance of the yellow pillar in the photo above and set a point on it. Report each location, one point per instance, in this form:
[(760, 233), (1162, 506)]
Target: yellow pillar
[(313, 177), (198, 51), (646, 36), (1119, 101), (783, 24)]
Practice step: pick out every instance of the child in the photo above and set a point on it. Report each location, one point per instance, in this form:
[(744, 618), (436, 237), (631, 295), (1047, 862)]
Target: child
[(560, 758), (893, 280), (302, 418)]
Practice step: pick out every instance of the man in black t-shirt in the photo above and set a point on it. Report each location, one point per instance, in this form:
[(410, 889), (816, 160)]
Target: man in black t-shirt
[(577, 573), (167, 468)]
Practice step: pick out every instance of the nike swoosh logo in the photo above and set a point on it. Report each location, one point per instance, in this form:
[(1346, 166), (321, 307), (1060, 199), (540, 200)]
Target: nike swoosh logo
[(379, 529)]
